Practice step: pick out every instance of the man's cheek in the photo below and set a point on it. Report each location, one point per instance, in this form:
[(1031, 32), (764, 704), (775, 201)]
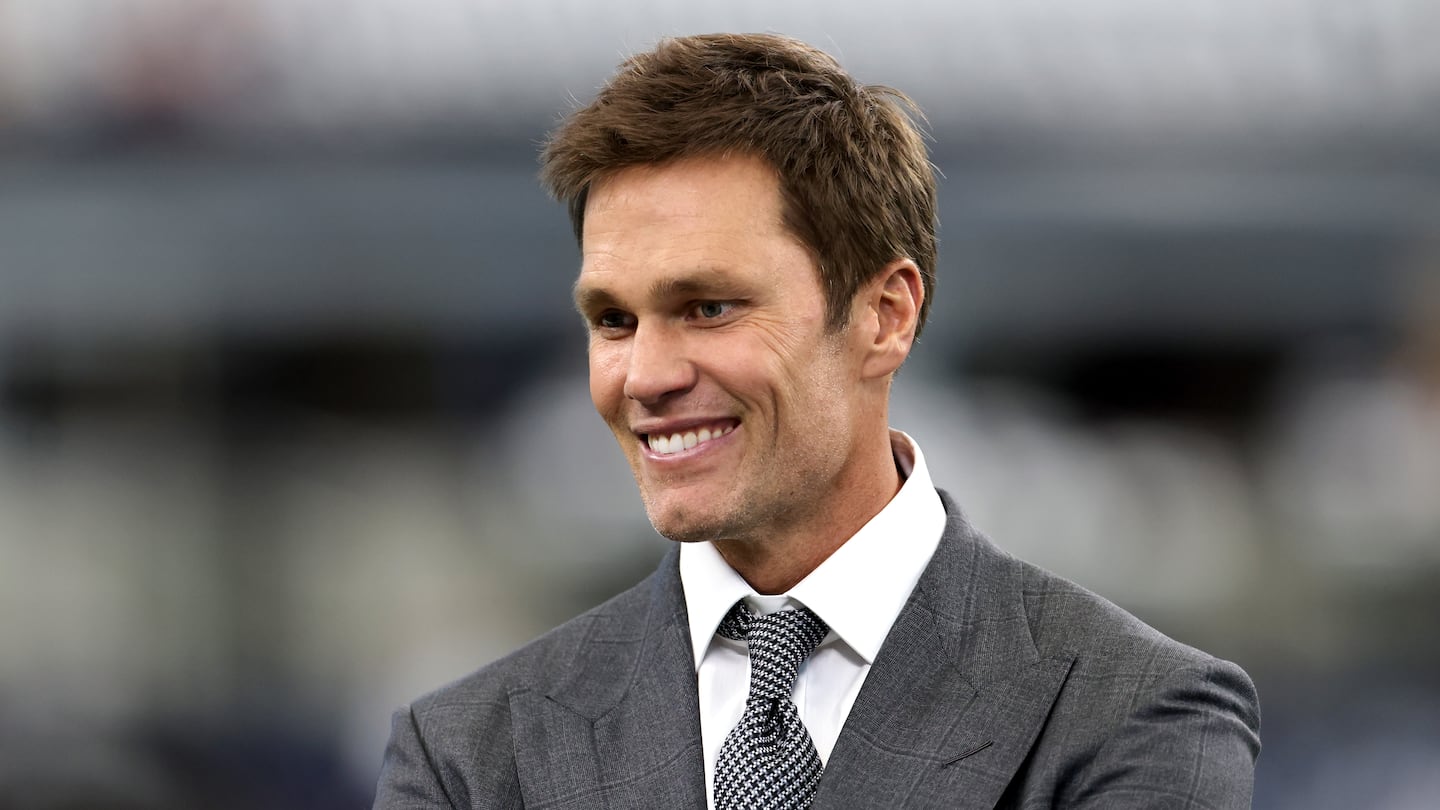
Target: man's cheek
[(607, 382)]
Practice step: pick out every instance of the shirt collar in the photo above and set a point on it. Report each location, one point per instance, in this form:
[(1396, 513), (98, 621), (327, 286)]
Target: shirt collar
[(858, 590)]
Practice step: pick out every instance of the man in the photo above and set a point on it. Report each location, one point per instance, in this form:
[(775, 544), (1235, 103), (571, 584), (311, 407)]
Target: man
[(758, 255)]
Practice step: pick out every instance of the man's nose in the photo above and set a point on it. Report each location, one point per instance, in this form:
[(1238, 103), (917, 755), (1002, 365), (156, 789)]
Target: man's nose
[(659, 365)]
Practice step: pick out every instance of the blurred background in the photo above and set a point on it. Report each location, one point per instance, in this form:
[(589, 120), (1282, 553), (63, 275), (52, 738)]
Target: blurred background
[(293, 416)]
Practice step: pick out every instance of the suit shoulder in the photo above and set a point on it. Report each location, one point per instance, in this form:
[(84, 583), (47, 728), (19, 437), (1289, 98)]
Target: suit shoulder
[(1065, 616), (1131, 692), (536, 666), (455, 742), (1063, 619)]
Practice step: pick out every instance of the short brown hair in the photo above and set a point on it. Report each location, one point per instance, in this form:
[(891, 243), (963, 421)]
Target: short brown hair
[(857, 185)]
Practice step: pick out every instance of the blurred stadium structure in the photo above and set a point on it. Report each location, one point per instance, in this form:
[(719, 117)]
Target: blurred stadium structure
[(293, 423)]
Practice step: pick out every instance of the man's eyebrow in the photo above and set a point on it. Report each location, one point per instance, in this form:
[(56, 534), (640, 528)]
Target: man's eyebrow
[(701, 281), (591, 299)]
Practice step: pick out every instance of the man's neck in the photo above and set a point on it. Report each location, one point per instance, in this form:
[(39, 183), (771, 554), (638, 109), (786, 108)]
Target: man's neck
[(775, 564)]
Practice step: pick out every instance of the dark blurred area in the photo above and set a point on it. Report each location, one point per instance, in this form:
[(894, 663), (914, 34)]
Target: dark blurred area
[(293, 414)]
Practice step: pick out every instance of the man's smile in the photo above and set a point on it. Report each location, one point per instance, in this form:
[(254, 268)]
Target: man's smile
[(669, 441)]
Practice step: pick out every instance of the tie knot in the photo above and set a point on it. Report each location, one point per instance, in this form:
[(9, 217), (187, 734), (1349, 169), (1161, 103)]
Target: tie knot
[(779, 642)]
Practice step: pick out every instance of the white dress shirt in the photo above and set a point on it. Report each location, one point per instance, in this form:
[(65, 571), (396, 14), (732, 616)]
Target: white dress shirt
[(858, 591)]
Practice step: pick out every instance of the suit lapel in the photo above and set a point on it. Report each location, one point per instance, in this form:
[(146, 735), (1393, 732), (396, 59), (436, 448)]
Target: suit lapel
[(957, 695), (623, 728), (948, 712)]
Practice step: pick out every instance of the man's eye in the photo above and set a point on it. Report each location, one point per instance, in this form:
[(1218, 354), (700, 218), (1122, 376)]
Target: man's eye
[(711, 309), (612, 320)]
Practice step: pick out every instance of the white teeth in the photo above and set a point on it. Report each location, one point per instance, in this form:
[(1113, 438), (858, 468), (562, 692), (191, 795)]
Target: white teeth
[(675, 442)]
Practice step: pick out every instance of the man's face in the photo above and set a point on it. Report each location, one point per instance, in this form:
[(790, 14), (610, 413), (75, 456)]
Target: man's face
[(709, 355)]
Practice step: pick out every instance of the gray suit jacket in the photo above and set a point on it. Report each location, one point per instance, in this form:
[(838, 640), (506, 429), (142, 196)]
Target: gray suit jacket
[(1000, 685)]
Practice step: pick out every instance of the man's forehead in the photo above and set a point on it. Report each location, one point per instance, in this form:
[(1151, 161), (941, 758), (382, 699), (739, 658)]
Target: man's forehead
[(697, 181)]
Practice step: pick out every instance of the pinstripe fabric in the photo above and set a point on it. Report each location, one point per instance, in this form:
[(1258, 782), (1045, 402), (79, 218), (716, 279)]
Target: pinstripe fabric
[(768, 761)]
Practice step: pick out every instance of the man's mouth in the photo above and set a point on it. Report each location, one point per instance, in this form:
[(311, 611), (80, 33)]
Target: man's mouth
[(666, 445)]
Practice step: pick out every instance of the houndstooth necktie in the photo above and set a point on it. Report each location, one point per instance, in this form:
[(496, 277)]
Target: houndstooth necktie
[(768, 761)]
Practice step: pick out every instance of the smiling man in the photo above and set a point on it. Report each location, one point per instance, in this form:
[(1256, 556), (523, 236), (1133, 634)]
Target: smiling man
[(758, 252), (748, 420)]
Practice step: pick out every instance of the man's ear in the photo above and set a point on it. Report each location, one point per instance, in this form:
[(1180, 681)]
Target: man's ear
[(891, 307)]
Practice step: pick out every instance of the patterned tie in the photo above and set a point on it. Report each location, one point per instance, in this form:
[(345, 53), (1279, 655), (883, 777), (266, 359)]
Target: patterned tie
[(768, 761)]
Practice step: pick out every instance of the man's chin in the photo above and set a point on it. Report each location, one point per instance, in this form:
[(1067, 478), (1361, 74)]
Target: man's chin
[(682, 533), (686, 526)]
